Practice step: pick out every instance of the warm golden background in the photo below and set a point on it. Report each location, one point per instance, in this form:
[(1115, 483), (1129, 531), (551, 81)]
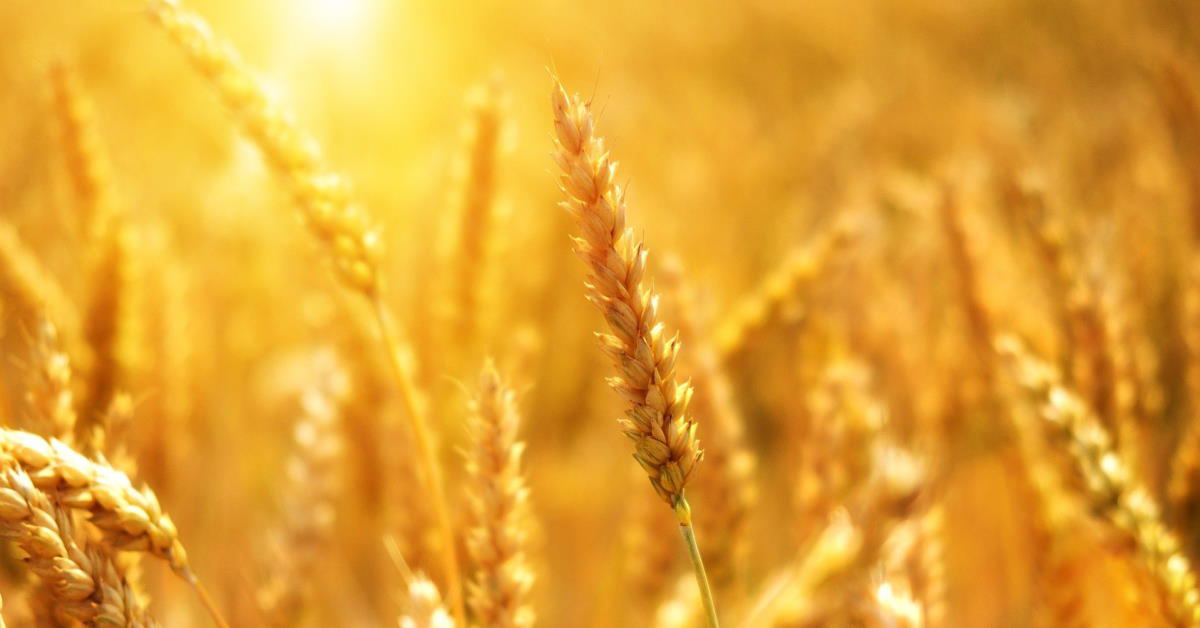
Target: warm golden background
[(892, 182)]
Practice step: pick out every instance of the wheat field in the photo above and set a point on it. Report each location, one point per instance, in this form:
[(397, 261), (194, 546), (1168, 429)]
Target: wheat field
[(506, 314)]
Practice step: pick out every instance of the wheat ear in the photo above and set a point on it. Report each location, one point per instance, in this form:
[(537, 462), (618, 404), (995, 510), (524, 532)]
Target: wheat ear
[(664, 436), (335, 221), (131, 520), (1110, 489), (499, 590), (86, 585)]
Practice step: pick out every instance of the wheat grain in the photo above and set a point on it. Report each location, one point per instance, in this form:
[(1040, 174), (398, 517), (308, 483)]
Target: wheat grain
[(499, 591)]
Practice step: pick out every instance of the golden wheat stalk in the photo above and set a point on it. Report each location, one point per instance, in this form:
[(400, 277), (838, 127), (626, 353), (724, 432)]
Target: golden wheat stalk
[(766, 304), (85, 585), (970, 290), (310, 497), (90, 173), (499, 590), (832, 571), (88, 165), (1111, 491), (835, 449), (478, 191), (657, 422), (106, 243), (335, 221)]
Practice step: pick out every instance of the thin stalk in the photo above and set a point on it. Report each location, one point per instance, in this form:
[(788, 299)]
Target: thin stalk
[(431, 470), (684, 511), (206, 599)]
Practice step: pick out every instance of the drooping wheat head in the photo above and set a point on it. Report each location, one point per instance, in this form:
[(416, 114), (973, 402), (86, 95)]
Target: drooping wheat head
[(322, 195), (86, 585)]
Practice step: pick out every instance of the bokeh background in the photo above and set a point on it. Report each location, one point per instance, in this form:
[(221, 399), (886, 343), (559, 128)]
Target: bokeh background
[(745, 132)]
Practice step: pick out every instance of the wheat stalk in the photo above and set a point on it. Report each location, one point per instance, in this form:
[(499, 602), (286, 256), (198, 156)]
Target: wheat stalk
[(498, 592), (106, 246), (966, 273), (476, 214), (1111, 492), (766, 304), (664, 436), (310, 498), (88, 165), (334, 220), (832, 571)]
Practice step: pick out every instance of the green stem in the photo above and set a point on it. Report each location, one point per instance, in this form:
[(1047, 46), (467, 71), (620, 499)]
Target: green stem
[(684, 511)]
